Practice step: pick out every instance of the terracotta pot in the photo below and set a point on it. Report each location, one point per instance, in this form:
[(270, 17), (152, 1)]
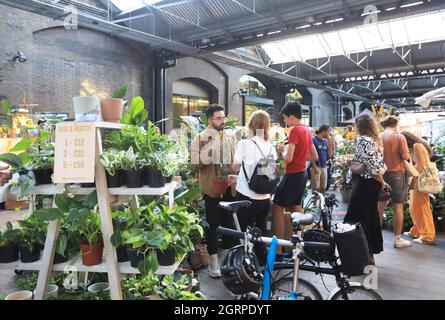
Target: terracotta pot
[(201, 247), (204, 258), (219, 185), (111, 109), (91, 254), (195, 259)]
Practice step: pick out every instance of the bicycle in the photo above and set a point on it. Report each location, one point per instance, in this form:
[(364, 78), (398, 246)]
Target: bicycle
[(300, 261), (301, 289), (323, 210)]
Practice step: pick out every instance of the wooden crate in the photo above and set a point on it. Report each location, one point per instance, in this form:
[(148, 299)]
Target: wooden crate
[(12, 205)]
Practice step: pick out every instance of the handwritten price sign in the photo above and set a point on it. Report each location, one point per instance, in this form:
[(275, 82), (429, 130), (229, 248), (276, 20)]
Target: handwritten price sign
[(74, 157)]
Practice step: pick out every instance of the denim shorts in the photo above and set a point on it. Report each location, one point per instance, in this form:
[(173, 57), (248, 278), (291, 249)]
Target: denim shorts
[(399, 188)]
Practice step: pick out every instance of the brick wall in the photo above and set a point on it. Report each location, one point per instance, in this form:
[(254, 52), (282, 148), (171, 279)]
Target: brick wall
[(65, 63)]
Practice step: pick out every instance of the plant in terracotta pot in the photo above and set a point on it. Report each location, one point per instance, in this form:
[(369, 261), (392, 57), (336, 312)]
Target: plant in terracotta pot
[(8, 244), (83, 221), (111, 108), (87, 223)]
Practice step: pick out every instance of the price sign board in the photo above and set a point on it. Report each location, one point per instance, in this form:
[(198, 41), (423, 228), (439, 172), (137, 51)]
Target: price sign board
[(74, 157)]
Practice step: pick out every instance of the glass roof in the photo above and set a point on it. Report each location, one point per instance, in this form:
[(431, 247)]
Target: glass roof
[(125, 5), (382, 35)]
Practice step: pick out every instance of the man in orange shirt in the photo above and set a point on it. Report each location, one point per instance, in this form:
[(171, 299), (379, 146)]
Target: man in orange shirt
[(395, 151)]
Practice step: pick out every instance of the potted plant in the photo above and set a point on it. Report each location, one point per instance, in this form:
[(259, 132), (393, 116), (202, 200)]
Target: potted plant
[(41, 153), (31, 239), (180, 224), (83, 220), (220, 182), (121, 222), (133, 165), (8, 244), (145, 287), (156, 178), (111, 108), (341, 177), (177, 289), (143, 243), (112, 161)]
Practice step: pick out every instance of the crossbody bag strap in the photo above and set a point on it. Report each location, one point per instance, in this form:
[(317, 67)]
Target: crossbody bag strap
[(245, 173)]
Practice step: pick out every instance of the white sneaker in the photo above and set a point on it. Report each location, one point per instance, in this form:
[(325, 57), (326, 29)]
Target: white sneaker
[(401, 243), (214, 270)]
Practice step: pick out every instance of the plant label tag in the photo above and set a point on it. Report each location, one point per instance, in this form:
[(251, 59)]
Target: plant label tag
[(74, 157)]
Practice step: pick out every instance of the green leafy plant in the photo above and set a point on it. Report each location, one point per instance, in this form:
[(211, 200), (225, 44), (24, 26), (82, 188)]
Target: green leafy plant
[(112, 160), (121, 92), (82, 216), (389, 218), (139, 288), (229, 124), (177, 289), (32, 232), (10, 236), (28, 281), (136, 113), (132, 161)]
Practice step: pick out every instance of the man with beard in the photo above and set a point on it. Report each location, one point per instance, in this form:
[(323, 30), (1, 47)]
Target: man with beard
[(212, 152)]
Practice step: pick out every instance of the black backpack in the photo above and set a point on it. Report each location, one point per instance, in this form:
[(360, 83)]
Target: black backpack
[(261, 183)]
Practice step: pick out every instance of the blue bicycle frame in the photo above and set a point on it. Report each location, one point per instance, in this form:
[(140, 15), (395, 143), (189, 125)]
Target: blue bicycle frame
[(268, 271)]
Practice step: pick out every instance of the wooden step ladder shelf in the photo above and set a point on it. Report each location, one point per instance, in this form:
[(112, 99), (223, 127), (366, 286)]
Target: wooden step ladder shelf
[(124, 267), (110, 265)]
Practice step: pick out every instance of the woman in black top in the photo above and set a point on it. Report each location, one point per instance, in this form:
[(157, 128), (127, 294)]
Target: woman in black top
[(366, 187)]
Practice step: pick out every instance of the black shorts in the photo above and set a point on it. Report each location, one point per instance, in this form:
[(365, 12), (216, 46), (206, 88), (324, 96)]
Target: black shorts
[(290, 191)]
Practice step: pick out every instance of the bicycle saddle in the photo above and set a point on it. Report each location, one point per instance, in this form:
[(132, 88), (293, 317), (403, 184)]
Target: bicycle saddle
[(300, 219), (235, 205)]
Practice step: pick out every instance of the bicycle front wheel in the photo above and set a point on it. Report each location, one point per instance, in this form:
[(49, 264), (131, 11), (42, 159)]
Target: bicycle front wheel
[(283, 288), (357, 293)]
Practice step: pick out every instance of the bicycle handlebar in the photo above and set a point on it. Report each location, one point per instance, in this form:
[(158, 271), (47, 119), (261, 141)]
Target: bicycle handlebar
[(268, 240)]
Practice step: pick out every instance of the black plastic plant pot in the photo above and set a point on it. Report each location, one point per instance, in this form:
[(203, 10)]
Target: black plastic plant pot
[(156, 180), (27, 256), (58, 258), (114, 181), (135, 256), (134, 179), (122, 254), (147, 172), (169, 179), (166, 258), (43, 176), (88, 185), (9, 254)]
